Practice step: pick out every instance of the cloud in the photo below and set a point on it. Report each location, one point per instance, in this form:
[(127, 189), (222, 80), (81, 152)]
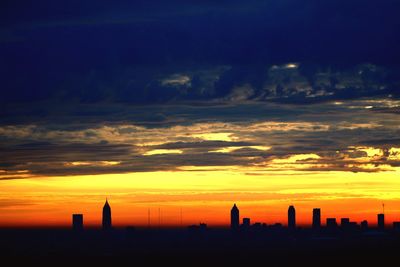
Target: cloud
[(215, 81), (139, 53), (203, 144), (217, 136), (382, 142), (12, 203), (176, 80)]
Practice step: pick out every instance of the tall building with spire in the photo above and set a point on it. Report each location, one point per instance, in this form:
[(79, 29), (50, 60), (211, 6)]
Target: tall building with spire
[(291, 217), (234, 217), (107, 216)]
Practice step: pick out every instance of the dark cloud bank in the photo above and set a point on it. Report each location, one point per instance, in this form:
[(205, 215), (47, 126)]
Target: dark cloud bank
[(92, 52)]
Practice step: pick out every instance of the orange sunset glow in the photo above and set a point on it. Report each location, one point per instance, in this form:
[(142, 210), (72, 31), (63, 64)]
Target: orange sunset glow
[(202, 196)]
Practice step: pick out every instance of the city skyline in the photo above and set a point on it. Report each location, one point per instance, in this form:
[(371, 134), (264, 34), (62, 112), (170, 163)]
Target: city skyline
[(167, 216), (236, 221)]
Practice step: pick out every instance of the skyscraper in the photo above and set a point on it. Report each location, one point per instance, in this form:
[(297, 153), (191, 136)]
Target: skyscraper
[(246, 222), (381, 221), (77, 222), (234, 217), (316, 221), (291, 217), (107, 216)]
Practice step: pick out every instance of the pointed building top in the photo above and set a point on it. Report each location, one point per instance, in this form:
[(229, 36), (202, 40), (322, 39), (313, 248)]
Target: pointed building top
[(106, 204), (107, 224)]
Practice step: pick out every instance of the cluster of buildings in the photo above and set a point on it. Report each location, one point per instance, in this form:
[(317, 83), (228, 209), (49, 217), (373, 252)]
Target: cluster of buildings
[(331, 223), (77, 219)]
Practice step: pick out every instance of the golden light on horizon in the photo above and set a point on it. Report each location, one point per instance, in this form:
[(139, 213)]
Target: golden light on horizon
[(203, 195), (215, 136), (163, 151), (92, 163)]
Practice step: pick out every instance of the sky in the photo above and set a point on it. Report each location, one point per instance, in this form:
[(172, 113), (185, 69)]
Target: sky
[(180, 109)]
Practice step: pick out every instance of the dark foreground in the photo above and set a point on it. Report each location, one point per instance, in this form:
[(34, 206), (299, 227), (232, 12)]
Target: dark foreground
[(204, 247)]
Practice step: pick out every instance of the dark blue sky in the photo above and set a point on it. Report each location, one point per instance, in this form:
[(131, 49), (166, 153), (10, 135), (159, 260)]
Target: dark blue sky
[(52, 48)]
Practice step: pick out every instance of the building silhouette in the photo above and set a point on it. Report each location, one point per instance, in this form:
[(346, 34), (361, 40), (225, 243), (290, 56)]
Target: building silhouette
[(353, 226), (77, 222), (246, 222), (258, 225), (107, 224), (396, 226), (291, 217), (316, 220), (364, 225), (234, 217), (344, 222), (198, 227), (331, 223), (381, 221)]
